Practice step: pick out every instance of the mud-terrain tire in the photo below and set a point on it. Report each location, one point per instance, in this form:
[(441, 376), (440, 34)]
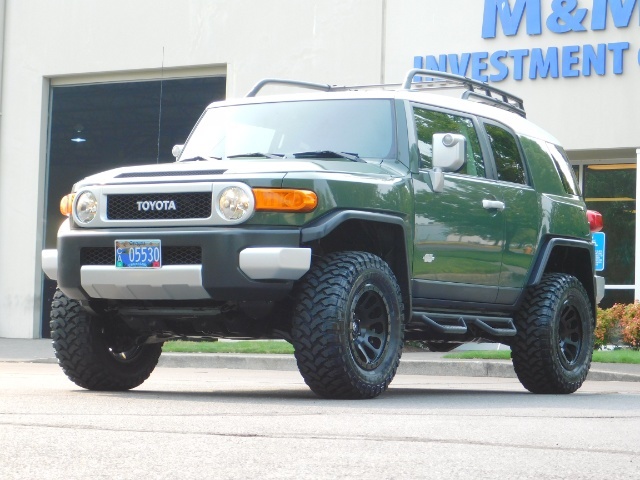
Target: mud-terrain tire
[(551, 352), (348, 326), (86, 358)]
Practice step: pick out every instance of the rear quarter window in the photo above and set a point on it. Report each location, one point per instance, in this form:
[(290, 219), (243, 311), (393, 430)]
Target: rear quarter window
[(567, 174), (544, 170)]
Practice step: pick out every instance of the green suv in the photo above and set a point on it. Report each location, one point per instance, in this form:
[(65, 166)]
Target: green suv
[(345, 220)]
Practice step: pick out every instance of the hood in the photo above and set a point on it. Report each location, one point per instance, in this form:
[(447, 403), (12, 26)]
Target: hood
[(236, 169)]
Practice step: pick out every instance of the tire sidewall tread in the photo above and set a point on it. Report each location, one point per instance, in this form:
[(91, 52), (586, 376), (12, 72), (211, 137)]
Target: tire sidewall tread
[(321, 329), (84, 356), (535, 350)]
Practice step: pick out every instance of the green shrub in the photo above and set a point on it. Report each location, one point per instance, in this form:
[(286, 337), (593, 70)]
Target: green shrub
[(630, 325), (619, 324), (608, 325)]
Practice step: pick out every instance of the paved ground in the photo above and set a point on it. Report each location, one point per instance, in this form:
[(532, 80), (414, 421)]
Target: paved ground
[(413, 363), (242, 424)]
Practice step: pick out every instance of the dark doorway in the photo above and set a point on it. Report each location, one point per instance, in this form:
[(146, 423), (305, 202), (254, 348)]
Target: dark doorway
[(102, 126)]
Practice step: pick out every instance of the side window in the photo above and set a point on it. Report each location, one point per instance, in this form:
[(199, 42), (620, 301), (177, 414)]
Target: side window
[(506, 154), (429, 122), (566, 172)]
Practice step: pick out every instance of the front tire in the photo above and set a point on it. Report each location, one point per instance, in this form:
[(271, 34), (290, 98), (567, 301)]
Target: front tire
[(348, 326), (85, 355), (551, 352)]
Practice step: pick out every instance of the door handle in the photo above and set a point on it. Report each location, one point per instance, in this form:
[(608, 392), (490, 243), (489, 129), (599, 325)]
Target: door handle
[(492, 204)]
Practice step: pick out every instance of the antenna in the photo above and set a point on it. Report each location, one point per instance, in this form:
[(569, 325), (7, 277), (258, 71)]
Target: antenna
[(160, 107)]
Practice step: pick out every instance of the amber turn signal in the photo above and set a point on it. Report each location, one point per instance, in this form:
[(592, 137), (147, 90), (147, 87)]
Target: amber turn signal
[(66, 204), (285, 200)]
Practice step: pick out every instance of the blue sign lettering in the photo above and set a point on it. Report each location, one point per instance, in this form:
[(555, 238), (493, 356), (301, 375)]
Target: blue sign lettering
[(496, 62), (592, 60), (618, 50), (621, 11), (542, 65), (459, 66), (565, 16), (511, 19), (569, 61)]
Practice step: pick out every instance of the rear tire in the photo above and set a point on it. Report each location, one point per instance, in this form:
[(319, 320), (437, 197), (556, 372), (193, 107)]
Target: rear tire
[(348, 326), (552, 349), (85, 356)]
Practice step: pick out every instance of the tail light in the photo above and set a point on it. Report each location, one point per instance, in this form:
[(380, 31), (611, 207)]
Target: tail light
[(595, 221)]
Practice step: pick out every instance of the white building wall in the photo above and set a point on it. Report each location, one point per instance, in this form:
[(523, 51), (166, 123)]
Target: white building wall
[(594, 112), (332, 41)]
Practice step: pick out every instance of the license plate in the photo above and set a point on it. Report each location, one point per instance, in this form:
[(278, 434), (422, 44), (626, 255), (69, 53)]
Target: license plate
[(138, 254)]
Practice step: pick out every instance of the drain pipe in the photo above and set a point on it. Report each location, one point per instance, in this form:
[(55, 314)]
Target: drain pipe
[(2, 24)]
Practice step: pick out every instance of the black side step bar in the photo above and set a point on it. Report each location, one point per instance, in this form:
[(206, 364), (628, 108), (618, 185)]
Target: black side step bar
[(459, 324)]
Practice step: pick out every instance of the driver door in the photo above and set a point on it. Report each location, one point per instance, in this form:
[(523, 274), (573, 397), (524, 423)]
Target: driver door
[(459, 231)]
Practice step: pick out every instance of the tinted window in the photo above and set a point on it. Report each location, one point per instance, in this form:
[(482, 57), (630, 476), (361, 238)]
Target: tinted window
[(506, 154), (567, 174), (543, 168), (429, 122)]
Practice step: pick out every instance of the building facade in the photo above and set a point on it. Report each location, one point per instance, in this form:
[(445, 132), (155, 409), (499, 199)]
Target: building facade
[(88, 85)]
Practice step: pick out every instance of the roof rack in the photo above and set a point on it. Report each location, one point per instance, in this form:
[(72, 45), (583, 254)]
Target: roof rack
[(474, 90)]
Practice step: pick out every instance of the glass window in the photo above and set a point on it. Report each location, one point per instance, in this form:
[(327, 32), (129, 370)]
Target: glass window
[(567, 174), (97, 127), (506, 154), (429, 122), (543, 168), (611, 190), (360, 127)]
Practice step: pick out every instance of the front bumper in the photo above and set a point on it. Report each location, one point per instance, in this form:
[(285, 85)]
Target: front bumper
[(237, 264)]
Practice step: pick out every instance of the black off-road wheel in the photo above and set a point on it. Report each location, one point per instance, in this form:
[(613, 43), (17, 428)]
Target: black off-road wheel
[(348, 326), (552, 349), (83, 351)]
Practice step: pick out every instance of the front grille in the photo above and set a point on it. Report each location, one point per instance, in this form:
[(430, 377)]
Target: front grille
[(159, 206), (170, 256)]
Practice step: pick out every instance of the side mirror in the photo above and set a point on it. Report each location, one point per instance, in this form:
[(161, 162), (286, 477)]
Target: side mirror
[(449, 152), (177, 150)]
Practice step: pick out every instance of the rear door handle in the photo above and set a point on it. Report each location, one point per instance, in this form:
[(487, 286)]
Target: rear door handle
[(492, 204)]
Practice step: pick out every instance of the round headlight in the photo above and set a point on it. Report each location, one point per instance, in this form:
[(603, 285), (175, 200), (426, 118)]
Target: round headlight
[(86, 207), (234, 203)]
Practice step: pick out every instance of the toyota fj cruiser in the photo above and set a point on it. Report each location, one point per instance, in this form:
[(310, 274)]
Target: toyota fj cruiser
[(346, 221)]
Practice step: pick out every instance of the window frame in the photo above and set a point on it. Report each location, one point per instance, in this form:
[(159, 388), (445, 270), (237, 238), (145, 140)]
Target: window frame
[(489, 148), (488, 164)]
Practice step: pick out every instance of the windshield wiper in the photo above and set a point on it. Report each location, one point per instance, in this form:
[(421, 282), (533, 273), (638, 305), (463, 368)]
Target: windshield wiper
[(257, 154), (200, 159), (328, 154)]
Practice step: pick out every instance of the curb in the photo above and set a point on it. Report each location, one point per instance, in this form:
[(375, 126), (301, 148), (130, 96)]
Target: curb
[(408, 366), (447, 368)]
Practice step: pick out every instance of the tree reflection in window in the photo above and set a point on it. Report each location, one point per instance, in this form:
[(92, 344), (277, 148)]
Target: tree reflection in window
[(429, 122), (506, 154)]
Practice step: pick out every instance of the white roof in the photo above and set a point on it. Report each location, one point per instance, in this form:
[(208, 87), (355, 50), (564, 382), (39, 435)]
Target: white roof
[(517, 123)]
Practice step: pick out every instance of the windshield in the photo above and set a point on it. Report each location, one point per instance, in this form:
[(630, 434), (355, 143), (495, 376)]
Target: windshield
[(360, 128)]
